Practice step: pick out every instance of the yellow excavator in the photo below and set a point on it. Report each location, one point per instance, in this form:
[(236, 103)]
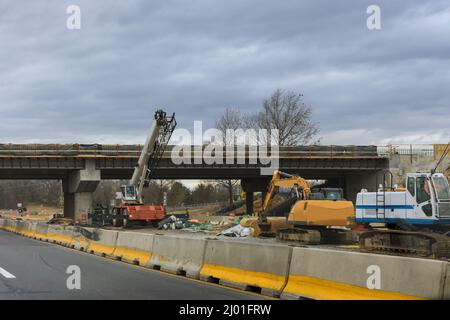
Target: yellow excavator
[(318, 215)]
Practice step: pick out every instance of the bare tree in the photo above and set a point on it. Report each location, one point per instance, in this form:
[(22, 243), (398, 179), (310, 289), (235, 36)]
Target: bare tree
[(231, 119), (286, 111)]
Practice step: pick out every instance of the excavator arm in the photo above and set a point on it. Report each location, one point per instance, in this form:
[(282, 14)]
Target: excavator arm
[(287, 181)]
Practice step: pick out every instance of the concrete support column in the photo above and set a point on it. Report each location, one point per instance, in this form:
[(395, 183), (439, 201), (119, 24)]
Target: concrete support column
[(249, 202), (253, 185), (79, 187)]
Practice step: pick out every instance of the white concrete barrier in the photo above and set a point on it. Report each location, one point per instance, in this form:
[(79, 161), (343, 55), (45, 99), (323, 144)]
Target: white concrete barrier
[(26, 228), (11, 225), (78, 239), (446, 295), (178, 255), (134, 247), (57, 234), (31, 230), (332, 274), (246, 265), (21, 227), (4, 224), (41, 231), (102, 242)]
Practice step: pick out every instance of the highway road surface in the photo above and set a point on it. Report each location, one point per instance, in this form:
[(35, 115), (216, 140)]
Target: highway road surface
[(30, 269)]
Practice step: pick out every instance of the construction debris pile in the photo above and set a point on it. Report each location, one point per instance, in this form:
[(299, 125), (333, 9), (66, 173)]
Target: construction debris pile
[(228, 226)]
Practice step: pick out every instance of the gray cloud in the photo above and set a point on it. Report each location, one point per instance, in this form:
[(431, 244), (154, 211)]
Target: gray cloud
[(101, 83)]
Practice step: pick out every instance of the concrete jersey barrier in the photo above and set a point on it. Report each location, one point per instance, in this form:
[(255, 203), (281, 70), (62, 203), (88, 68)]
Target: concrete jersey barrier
[(41, 231), (134, 247), (31, 229), (12, 225), (3, 224), (246, 265), (102, 242), (57, 234), (178, 255), (293, 273), (331, 274), (26, 228), (78, 239), (19, 226)]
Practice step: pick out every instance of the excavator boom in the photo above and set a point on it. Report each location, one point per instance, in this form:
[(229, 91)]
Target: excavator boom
[(284, 180)]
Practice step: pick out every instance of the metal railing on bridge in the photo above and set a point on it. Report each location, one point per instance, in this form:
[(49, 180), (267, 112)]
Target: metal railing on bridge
[(133, 151), (432, 150)]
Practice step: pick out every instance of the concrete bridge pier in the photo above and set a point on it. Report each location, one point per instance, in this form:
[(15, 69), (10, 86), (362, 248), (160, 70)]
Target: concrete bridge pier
[(78, 188), (253, 185)]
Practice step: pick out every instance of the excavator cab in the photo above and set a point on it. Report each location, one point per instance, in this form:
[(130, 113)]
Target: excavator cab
[(326, 194), (432, 196), (424, 202)]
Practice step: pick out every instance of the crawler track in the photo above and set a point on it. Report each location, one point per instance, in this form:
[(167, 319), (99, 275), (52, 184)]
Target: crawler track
[(422, 244)]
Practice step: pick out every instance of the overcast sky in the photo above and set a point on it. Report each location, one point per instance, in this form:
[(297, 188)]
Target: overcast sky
[(101, 84)]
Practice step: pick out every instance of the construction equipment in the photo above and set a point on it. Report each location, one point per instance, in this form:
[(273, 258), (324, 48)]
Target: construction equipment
[(132, 208), (417, 217), (314, 214)]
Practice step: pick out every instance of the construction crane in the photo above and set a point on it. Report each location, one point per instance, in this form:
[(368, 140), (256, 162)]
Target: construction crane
[(132, 208), (314, 213)]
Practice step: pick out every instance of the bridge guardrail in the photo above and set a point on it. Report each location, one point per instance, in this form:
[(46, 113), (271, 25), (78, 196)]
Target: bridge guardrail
[(133, 151)]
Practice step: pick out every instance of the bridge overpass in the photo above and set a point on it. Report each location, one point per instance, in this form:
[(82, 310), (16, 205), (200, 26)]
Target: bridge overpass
[(81, 167)]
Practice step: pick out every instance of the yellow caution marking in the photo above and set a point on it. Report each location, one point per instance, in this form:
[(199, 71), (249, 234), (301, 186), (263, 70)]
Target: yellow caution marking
[(100, 248), (320, 289), (241, 276), (59, 238), (133, 254)]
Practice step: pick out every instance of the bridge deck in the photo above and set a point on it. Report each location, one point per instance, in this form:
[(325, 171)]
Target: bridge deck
[(55, 161), (133, 151)]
